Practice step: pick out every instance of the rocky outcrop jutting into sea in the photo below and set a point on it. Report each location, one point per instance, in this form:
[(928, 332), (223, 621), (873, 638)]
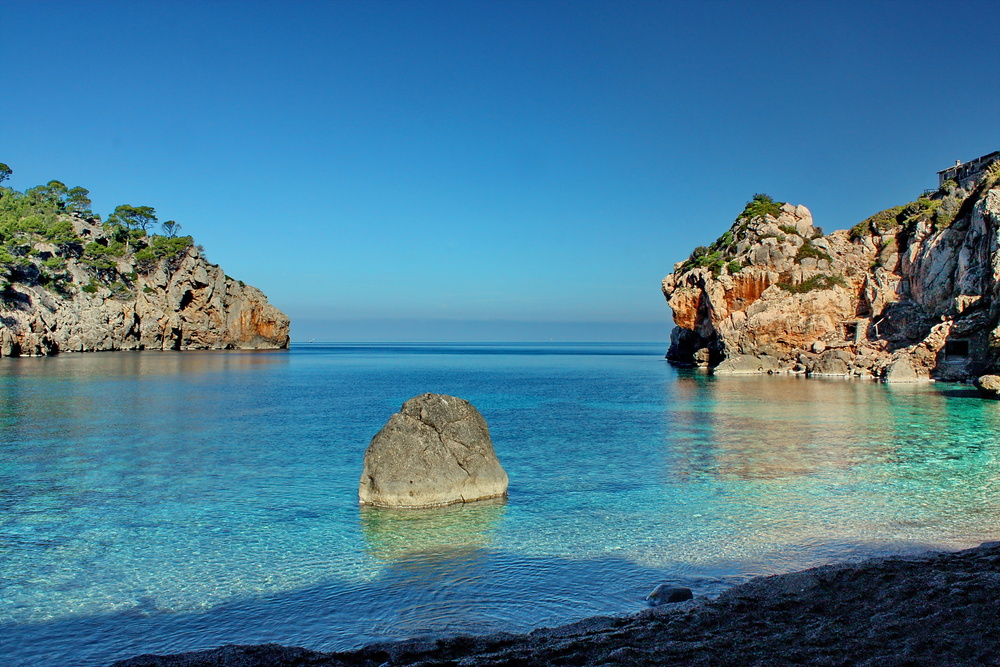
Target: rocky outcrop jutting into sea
[(86, 292), (910, 293)]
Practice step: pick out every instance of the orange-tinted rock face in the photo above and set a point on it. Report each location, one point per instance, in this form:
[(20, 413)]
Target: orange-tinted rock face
[(747, 288), (259, 325), (684, 304)]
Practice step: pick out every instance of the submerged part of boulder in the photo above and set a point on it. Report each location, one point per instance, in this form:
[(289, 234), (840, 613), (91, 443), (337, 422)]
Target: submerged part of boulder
[(435, 451)]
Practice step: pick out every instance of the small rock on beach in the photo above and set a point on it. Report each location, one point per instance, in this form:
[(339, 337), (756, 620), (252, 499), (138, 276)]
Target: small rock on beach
[(664, 594)]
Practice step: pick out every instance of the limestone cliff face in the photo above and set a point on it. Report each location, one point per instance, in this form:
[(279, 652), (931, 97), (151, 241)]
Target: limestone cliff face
[(130, 302), (910, 293)]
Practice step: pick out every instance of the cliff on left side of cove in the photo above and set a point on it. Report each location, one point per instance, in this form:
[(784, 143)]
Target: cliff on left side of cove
[(70, 283)]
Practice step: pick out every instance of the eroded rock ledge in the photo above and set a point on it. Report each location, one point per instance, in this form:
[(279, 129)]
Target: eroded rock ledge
[(910, 293), (930, 610)]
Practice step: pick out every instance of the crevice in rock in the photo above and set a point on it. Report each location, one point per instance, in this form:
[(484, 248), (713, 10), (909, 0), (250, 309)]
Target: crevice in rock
[(186, 300), (462, 466)]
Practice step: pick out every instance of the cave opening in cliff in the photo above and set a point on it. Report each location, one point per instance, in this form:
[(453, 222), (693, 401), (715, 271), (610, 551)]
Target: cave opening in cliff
[(186, 300), (956, 349), (851, 331)]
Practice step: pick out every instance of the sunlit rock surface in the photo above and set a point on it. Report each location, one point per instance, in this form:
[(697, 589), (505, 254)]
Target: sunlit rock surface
[(435, 451)]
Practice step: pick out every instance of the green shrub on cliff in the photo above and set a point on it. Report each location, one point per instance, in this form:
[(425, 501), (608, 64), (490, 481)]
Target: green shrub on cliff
[(991, 177), (759, 206), (119, 290), (946, 212), (54, 282), (61, 231), (100, 256), (891, 219), (880, 223), (161, 247), (819, 281), (705, 258), (921, 207), (716, 256), (807, 249), (941, 208)]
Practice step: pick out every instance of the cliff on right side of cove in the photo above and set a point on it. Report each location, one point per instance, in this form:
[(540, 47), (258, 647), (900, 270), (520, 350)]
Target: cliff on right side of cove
[(911, 293)]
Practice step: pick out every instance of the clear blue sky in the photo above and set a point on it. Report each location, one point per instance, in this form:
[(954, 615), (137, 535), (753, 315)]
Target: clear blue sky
[(488, 170)]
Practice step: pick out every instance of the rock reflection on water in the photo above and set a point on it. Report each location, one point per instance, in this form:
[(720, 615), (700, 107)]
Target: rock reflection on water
[(138, 363), (774, 427), (418, 537), (437, 564), (793, 461)]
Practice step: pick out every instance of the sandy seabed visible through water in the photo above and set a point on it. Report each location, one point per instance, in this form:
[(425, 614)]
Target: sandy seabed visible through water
[(938, 609)]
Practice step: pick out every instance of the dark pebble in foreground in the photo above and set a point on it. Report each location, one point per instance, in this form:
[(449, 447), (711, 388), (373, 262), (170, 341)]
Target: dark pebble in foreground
[(940, 609)]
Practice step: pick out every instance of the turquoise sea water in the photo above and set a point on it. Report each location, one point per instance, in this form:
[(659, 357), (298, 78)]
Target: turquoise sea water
[(162, 502)]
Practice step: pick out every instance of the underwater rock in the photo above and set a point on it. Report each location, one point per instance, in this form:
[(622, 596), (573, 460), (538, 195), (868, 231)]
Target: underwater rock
[(901, 370)]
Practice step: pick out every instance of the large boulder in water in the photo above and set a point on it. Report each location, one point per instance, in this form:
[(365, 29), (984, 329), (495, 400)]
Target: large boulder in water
[(435, 451)]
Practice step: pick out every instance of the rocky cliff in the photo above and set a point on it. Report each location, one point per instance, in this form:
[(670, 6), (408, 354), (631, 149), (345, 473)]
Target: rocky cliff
[(910, 293), (71, 283)]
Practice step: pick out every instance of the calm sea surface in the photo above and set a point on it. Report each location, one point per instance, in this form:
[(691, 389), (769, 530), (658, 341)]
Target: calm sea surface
[(161, 502)]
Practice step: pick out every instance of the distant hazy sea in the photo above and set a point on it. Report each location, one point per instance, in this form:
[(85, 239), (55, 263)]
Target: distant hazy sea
[(155, 502)]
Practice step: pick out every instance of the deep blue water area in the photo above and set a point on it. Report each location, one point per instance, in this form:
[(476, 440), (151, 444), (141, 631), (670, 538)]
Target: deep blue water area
[(155, 502)]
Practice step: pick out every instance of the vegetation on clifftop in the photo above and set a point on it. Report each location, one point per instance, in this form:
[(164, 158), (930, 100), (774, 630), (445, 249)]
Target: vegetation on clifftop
[(941, 212), (42, 228), (721, 255), (808, 250), (759, 206)]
